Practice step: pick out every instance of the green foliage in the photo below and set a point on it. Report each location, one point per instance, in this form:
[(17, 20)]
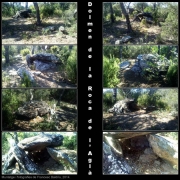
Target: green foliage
[(144, 100), (172, 75), (68, 15), (25, 52), (110, 71), (117, 10), (46, 10), (170, 26), (69, 96), (107, 101), (5, 144), (70, 142), (58, 12), (10, 104), (25, 81), (158, 39), (140, 6), (149, 9), (108, 50), (9, 10), (3, 52), (172, 135), (144, 23), (54, 49), (71, 66), (164, 99), (133, 51), (45, 126)]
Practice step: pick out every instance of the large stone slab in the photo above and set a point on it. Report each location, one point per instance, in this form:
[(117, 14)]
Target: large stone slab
[(165, 148)]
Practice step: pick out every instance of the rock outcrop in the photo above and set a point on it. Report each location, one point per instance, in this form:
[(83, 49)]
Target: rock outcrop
[(164, 148), (33, 109)]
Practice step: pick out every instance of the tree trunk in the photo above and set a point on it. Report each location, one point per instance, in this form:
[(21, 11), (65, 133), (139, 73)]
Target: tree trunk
[(114, 95), (19, 49), (112, 13), (26, 5), (14, 8), (6, 47), (60, 96), (126, 16), (120, 51), (16, 138), (32, 49), (154, 6), (37, 13), (158, 49)]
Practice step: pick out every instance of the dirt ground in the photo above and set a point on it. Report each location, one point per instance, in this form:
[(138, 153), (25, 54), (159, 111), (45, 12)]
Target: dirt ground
[(140, 120), (66, 120), (140, 35), (128, 78), (52, 78), (25, 31), (142, 163)]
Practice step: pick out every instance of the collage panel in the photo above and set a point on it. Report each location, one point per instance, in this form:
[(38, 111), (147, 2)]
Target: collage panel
[(140, 23), (140, 153), (142, 66), (39, 109), (39, 23), (39, 66), (39, 153), (140, 109), (39, 88)]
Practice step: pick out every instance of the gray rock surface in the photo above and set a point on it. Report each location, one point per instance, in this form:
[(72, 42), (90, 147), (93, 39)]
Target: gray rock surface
[(33, 109), (113, 164), (164, 148)]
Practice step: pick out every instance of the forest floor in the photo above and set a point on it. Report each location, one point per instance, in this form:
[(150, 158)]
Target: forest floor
[(142, 163), (53, 78), (25, 31), (129, 79), (66, 120), (140, 120), (149, 34)]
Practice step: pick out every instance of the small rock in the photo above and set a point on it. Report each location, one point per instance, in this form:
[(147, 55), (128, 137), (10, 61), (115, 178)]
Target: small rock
[(148, 151), (117, 42), (147, 158), (61, 28), (157, 163), (125, 39)]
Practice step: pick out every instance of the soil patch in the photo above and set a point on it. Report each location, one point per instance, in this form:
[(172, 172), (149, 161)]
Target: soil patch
[(25, 31), (140, 120)]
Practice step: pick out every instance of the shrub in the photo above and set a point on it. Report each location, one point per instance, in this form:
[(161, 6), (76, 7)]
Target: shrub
[(46, 10), (144, 23), (110, 71), (25, 52), (144, 100), (25, 82), (172, 75), (107, 101), (58, 12), (71, 66), (54, 49), (10, 103), (44, 126), (117, 10), (70, 142)]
